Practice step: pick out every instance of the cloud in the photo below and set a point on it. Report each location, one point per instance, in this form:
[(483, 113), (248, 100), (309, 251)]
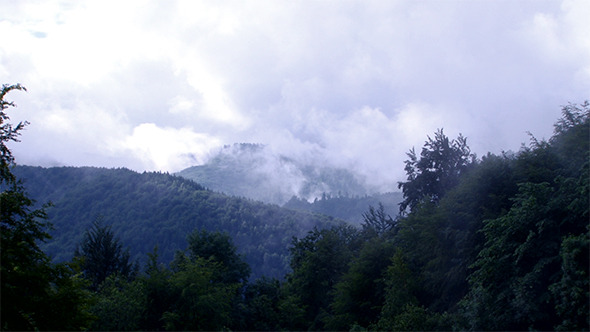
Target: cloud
[(167, 148), (352, 84)]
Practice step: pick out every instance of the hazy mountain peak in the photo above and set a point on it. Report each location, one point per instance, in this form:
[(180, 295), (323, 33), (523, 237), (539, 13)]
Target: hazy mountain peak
[(255, 171)]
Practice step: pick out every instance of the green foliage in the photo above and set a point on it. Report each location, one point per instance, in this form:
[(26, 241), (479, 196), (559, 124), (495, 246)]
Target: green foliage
[(441, 163), (571, 291), (318, 262), (500, 243), (535, 250), (359, 295), (8, 133), (262, 309), (429, 250), (218, 247), (101, 255), (158, 293), (35, 294), (150, 209), (417, 318), (120, 305), (200, 301), (400, 289)]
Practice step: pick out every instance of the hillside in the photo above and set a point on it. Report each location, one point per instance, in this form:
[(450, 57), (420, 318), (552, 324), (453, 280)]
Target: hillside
[(253, 171), (152, 209), (348, 208), (496, 243)]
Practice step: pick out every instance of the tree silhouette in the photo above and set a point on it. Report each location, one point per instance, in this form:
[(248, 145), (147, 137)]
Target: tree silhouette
[(35, 294), (101, 255), (441, 163)]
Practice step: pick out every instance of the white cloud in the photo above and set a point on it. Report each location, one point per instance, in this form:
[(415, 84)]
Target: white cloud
[(168, 148), (349, 83)]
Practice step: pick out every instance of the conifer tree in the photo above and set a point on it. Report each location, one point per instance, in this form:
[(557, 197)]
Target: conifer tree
[(101, 255)]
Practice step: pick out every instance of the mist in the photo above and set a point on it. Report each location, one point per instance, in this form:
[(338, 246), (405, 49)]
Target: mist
[(164, 86), (257, 172)]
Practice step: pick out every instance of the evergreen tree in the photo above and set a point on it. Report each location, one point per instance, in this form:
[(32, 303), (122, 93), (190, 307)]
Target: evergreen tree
[(101, 254)]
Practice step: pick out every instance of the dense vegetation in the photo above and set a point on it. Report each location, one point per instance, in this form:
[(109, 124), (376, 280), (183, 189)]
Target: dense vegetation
[(497, 243), (151, 209)]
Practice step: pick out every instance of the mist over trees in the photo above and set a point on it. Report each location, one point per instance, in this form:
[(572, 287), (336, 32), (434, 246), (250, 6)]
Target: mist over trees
[(499, 242), (256, 172)]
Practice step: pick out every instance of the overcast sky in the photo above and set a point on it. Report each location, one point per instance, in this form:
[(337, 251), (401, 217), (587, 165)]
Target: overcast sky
[(158, 85)]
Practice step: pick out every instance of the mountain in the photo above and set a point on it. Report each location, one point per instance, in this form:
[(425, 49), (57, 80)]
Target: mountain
[(155, 209), (253, 171)]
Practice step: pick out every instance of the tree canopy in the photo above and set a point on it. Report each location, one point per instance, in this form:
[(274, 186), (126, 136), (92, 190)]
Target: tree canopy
[(497, 243), (438, 169), (101, 254)]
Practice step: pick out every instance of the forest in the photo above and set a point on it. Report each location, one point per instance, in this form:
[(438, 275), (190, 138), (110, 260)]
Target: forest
[(149, 209), (499, 242)]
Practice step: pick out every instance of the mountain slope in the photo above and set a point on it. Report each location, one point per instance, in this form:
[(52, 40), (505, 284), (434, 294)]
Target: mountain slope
[(152, 209), (350, 209), (253, 171)]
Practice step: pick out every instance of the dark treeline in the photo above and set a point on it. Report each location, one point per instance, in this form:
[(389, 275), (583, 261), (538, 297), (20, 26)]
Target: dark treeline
[(497, 243)]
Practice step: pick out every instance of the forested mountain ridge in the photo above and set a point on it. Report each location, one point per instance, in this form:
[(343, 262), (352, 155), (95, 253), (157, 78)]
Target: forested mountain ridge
[(348, 208), (497, 243), (253, 171), (152, 209)]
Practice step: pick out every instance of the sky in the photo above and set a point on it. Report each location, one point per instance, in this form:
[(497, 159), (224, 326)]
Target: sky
[(161, 85)]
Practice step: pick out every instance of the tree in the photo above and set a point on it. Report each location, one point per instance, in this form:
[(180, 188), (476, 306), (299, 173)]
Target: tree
[(219, 248), (261, 305), (34, 293), (571, 291), (514, 268), (158, 293), (102, 255), (441, 163), (400, 290), (120, 305), (205, 284), (318, 261), (377, 221), (359, 295), (8, 133), (532, 270), (200, 301)]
